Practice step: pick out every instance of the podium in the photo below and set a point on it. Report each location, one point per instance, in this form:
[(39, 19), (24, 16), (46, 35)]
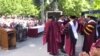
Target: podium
[(7, 38)]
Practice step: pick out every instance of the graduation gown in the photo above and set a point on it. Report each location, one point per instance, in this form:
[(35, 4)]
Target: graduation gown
[(60, 26), (70, 40), (90, 35), (81, 23), (51, 37), (98, 28), (61, 29)]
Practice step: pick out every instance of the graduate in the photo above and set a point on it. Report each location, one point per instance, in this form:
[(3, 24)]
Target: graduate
[(51, 36), (61, 26), (81, 23), (71, 36), (89, 33)]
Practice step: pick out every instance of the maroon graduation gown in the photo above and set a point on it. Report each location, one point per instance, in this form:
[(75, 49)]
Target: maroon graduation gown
[(90, 36), (81, 23), (68, 46), (61, 26), (70, 41), (52, 37), (61, 29)]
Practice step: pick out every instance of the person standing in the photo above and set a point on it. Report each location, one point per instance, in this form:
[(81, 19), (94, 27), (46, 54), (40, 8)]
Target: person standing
[(61, 26), (51, 36), (81, 23), (89, 33), (71, 36)]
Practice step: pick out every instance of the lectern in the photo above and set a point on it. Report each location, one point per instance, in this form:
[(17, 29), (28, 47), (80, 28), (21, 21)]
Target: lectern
[(8, 38)]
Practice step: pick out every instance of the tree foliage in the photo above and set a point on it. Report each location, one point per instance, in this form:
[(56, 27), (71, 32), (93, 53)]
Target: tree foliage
[(96, 5), (32, 7), (18, 7), (73, 7)]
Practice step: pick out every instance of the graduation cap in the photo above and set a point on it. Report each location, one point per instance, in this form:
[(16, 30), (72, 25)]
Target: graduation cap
[(61, 16), (51, 17), (93, 18), (97, 44), (73, 17)]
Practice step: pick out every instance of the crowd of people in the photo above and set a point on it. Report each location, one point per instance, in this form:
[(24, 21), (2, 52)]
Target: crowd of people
[(61, 35), (13, 21), (20, 24)]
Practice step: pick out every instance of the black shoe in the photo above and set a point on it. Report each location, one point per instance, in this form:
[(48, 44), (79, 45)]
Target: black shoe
[(53, 54), (63, 51)]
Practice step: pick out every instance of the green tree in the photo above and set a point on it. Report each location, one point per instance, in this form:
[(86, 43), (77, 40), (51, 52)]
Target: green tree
[(18, 7), (29, 8), (96, 5), (73, 7)]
